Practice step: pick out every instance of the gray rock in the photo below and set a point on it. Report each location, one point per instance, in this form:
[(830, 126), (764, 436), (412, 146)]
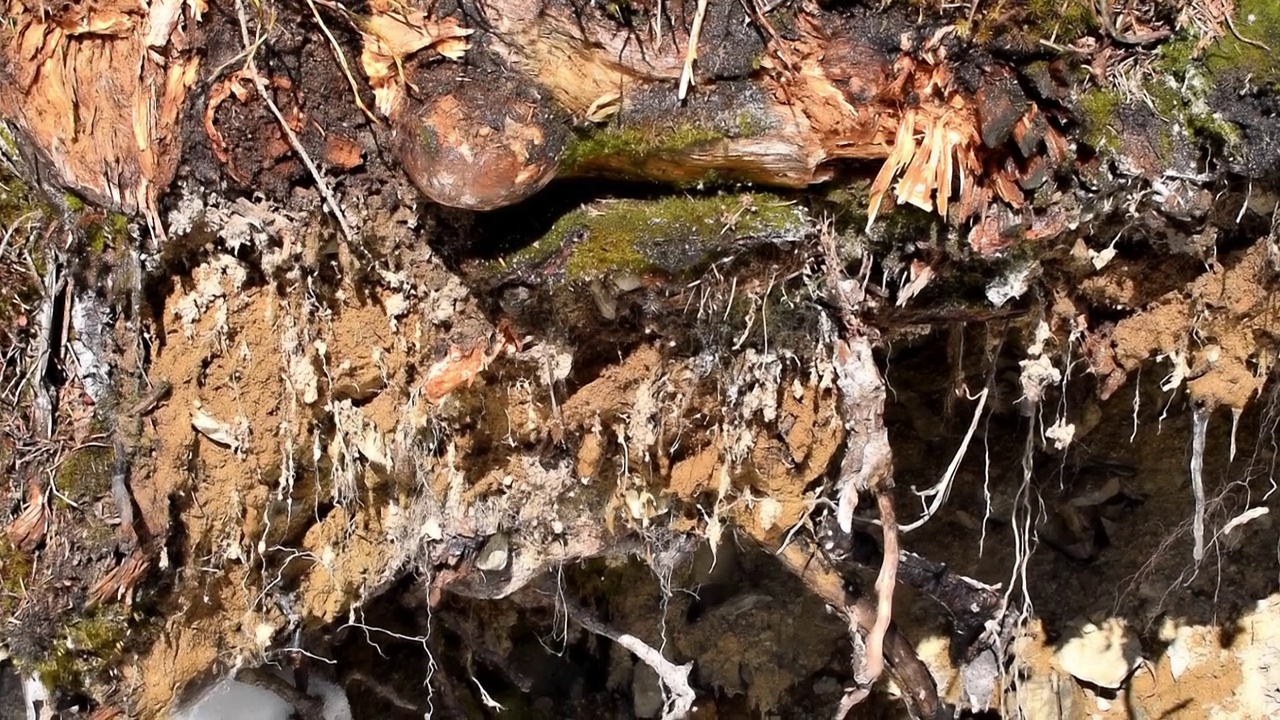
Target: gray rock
[(646, 692)]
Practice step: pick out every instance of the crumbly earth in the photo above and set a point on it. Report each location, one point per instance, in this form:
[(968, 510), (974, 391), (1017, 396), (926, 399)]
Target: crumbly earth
[(410, 459)]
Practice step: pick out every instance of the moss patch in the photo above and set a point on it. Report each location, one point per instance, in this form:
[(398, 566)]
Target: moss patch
[(85, 473), (1066, 21), (1098, 109), (86, 648), (1179, 93), (633, 144), (1257, 21), (670, 235), (15, 569)]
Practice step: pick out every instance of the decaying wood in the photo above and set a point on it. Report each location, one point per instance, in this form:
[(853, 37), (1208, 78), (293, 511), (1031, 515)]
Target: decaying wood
[(830, 94), (96, 89), (768, 108)]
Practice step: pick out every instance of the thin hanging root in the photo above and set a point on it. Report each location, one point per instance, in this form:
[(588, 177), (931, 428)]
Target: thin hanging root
[(919, 690)]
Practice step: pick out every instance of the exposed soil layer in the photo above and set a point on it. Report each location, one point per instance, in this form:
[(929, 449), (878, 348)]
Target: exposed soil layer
[(485, 402)]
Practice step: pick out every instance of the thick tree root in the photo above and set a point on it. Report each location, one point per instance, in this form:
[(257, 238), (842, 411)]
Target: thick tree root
[(903, 665), (972, 606), (677, 693)]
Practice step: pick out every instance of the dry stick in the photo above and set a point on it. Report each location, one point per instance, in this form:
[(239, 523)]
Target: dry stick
[(321, 185), (691, 53)]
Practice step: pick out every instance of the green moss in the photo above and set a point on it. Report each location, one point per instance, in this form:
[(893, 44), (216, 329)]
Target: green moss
[(88, 646), (85, 473), (1029, 21), (112, 231), (1259, 22), (73, 203), (15, 569), (749, 124), (633, 144), (1211, 126), (670, 235), (1065, 21), (1179, 93), (1098, 108), (8, 147)]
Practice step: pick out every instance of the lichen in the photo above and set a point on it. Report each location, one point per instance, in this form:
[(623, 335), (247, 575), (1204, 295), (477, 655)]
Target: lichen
[(669, 235)]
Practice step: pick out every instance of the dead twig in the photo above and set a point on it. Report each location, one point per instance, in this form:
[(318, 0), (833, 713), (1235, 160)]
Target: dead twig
[(321, 184), (691, 52), (146, 405), (1102, 11)]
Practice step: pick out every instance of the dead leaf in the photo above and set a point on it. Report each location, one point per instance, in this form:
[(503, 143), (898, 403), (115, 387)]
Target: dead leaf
[(217, 431), (27, 531), (460, 368), (119, 583), (341, 152), (454, 371), (921, 274)]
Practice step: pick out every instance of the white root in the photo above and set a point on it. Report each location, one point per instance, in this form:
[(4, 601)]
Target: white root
[(1235, 425), (675, 678), (868, 461), (1199, 426), (942, 490)]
